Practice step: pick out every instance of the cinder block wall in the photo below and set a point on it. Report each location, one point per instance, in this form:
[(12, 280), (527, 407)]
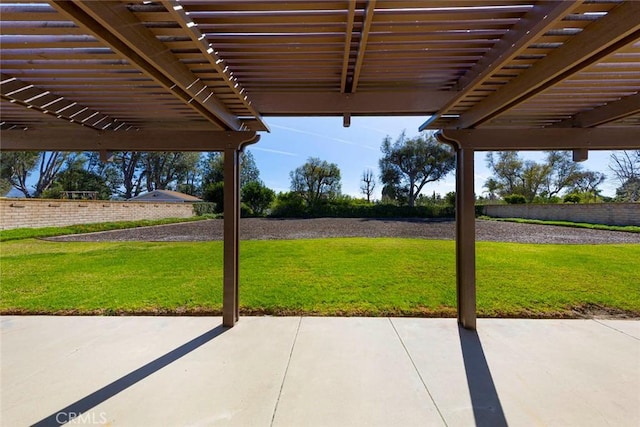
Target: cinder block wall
[(594, 213), (19, 213)]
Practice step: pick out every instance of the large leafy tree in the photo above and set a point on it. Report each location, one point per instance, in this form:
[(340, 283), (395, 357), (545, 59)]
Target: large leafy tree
[(408, 164), (316, 181), (558, 173)]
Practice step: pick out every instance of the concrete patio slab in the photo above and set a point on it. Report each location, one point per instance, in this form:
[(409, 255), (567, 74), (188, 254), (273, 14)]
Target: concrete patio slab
[(292, 371), (352, 371)]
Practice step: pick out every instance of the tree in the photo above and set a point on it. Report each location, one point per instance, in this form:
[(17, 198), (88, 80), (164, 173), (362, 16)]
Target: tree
[(163, 169), (562, 172), (5, 186), (587, 184), (127, 166), (410, 163), (78, 179), (249, 171), (512, 175), (368, 184), (257, 197), (214, 193), (629, 191), (316, 180), (213, 169), (534, 175), (50, 166), (626, 168), (16, 167), (492, 187), (213, 176), (507, 169)]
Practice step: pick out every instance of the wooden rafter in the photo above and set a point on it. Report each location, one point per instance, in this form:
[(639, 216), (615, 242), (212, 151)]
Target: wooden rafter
[(208, 51), (347, 45), (362, 45), (30, 96), (112, 23), (615, 30), (607, 113), (535, 23)]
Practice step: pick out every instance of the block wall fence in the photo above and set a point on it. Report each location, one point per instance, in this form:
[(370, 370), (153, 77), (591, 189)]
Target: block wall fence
[(594, 213), (34, 213)]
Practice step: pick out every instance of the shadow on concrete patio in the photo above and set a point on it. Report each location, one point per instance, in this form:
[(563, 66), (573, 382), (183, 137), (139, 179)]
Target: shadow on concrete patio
[(83, 405), (487, 409)]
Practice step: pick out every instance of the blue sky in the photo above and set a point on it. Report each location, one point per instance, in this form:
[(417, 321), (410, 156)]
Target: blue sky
[(357, 148)]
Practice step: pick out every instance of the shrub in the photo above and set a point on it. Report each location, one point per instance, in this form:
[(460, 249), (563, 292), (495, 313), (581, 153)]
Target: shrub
[(214, 193), (289, 205), (204, 208), (257, 197), (515, 199), (572, 198)]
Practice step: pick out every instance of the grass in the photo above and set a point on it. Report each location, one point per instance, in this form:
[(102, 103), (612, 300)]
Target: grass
[(345, 276), (627, 228), (38, 233)]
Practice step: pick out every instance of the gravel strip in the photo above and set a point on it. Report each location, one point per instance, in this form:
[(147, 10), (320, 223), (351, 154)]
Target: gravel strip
[(271, 229)]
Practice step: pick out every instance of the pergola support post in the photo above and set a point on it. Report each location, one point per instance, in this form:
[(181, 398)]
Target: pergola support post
[(230, 313), (465, 238), (230, 293), (465, 228)]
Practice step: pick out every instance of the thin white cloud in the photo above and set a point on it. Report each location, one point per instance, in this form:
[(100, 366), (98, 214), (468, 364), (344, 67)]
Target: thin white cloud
[(380, 131), (319, 135), (269, 150)]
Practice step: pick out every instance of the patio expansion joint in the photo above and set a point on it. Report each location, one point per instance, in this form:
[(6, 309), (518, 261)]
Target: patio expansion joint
[(426, 388), (614, 329), (286, 370)]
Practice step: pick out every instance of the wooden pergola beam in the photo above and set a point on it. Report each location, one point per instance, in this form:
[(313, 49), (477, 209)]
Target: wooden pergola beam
[(615, 30), (118, 28), (487, 139), (362, 103), (73, 138), (607, 113)]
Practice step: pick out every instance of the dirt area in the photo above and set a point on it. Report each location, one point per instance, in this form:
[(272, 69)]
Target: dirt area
[(269, 229)]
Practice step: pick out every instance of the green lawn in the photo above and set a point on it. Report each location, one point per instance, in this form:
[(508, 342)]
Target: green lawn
[(347, 276)]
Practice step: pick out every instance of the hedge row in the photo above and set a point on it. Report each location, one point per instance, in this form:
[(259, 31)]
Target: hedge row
[(363, 211)]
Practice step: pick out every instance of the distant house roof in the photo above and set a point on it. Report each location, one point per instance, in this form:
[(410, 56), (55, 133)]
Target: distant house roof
[(165, 196)]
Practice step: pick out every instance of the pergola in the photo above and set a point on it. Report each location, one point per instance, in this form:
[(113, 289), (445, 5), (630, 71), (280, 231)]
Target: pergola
[(197, 75)]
